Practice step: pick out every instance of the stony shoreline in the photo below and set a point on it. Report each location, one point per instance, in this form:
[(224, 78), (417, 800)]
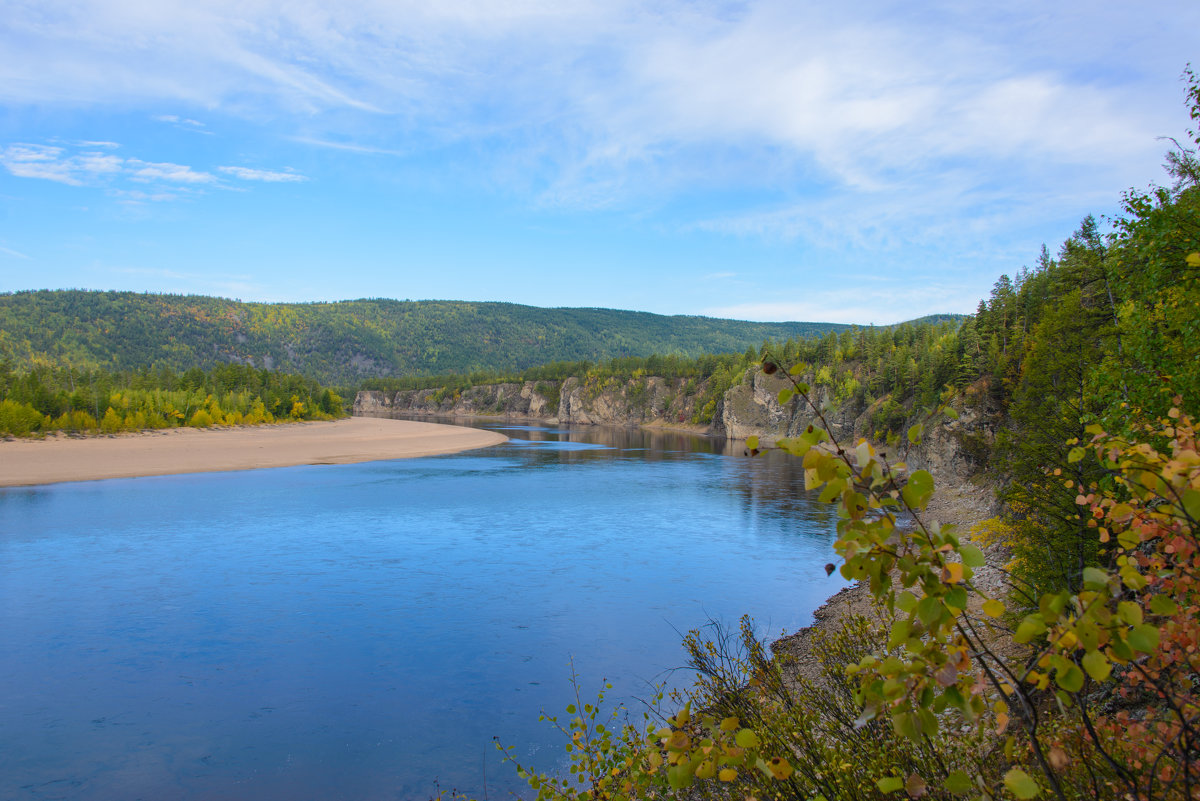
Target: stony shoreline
[(957, 500)]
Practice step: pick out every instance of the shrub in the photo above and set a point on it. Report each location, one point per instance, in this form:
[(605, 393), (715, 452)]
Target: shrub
[(19, 419)]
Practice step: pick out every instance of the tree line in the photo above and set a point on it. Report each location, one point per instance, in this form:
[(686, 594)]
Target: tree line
[(56, 398), (344, 342)]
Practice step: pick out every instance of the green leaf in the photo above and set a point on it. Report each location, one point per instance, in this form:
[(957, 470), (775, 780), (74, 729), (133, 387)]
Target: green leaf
[(891, 784), (971, 555), (1097, 665), (899, 633), (681, 775), (1070, 679), (745, 738), (1162, 605), (905, 726), (922, 480), (1191, 503), (1021, 784), (1032, 626), (752, 443), (956, 598), (832, 490), (1075, 455), (929, 610), (906, 601), (915, 433), (785, 395), (958, 782), (1130, 612), (950, 412), (919, 488), (993, 608), (1094, 578), (1143, 638)]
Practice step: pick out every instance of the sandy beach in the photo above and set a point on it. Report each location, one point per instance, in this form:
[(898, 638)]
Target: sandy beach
[(189, 450)]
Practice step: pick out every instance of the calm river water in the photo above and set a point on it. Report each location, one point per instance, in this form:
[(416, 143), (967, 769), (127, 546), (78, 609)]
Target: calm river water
[(358, 631)]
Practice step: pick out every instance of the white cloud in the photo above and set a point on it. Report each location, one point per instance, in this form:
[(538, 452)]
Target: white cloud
[(136, 197), (104, 169), (145, 172), (14, 253), (350, 147), (52, 163), (269, 176), (1012, 108)]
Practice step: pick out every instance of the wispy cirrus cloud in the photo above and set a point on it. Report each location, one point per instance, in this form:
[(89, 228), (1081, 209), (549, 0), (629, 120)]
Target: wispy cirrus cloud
[(16, 254), (922, 133), (176, 119), (150, 172), (268, 176), (101, 168)]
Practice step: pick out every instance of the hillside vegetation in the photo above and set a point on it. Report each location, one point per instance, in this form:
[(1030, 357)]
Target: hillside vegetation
[(1075, 676), (344, 342)]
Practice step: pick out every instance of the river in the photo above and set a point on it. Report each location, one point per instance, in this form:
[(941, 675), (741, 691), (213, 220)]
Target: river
[(360, 631)]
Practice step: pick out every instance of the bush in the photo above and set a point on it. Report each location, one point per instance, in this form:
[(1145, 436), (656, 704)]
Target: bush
[(19, 419)]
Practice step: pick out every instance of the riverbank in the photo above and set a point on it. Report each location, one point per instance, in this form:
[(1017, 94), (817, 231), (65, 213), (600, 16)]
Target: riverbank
[(190, 450), (957, 500)]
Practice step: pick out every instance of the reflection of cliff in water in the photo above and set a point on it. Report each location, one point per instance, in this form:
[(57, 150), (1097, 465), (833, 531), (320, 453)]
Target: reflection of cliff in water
[(652, 441), (770, 484)]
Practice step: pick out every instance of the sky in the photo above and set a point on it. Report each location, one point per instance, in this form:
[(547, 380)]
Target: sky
[(863, 162)]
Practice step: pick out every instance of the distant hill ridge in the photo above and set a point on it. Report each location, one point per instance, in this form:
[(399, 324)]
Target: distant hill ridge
[(346, 341)]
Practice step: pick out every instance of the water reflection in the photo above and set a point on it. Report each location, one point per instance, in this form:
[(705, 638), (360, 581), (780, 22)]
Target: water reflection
[(355, 631)]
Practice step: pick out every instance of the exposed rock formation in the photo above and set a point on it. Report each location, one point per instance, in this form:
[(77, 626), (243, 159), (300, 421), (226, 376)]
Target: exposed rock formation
[(646, 400), (750, 408)]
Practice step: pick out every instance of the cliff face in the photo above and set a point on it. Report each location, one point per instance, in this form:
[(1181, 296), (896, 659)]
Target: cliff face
[(505, 400), (646, 400), (750, 408)]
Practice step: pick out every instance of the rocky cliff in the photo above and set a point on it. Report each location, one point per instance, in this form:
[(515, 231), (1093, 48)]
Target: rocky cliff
[(948, 450), (644, 400), (749, 408)]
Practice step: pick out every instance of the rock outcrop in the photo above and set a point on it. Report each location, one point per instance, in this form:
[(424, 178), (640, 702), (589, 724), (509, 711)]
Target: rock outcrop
[(749, 408), (645, 400)]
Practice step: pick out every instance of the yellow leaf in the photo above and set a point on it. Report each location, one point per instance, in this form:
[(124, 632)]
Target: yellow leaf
[(779, 768), (993, 608), (1021, 784)]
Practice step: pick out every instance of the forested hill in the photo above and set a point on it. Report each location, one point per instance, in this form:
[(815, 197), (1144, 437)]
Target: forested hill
[(349, 340)]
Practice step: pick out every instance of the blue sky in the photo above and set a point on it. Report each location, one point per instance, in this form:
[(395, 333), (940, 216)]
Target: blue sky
[(858, 162)]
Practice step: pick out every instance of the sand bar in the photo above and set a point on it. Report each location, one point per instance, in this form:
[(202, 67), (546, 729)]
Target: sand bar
[(188, 450)]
